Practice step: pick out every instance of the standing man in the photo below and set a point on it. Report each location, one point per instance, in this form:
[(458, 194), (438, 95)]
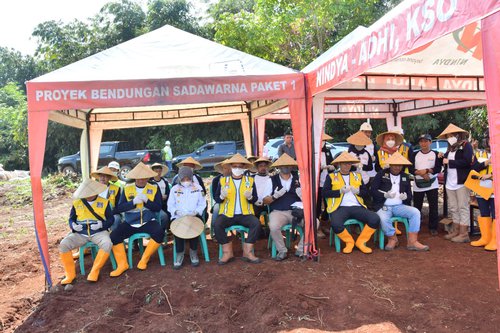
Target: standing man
[(427, 166), (287, 146), (167, 155), (367, 130)]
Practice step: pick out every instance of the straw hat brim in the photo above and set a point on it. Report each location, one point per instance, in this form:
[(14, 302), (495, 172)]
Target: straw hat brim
[(345, 157), (283, 161), (190, 160), (397, 159), (359, 139), (89, 188), (451, 128), (262, 159), (238, 159), (187, 227), (164, 168), (326, 137), (104, 171), (380, 138), (141, 171)]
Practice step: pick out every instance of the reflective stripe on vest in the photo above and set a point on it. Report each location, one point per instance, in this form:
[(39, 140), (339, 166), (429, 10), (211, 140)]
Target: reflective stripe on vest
[(130, 193), (484, 154), (355, 180), (228, 206), (85, 217), (112, 193)]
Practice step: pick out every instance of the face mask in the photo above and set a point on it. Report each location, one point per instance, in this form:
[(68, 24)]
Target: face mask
[(359, 148), (452, 140), (285, 170), (237, 171), (186, 184), (390, 143)]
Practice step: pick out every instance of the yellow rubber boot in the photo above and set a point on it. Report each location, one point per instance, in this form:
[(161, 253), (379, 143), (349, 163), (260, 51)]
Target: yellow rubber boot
[(148, 252), (100, 260), (485, 228), (492, 245), (346, 237), (69, 267), (121, 260), (364, 237)]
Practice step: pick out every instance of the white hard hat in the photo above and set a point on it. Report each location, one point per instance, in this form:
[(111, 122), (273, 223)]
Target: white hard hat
[(366, 127), (398, 129), (114, 165), (167, 142)]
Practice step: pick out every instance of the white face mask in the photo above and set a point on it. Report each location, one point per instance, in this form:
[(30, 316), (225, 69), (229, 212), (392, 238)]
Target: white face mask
[(452, 140), (359, 148), (186, 184), (237, 171), (390, 143)]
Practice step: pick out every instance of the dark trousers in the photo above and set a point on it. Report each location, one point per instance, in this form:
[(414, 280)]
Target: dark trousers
[(249, 221), (342, 214), (125, 230), (432, 199), (486, 207), (321, 214), (179, 244)]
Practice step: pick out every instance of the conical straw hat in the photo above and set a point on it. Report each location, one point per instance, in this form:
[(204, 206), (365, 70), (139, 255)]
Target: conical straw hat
[(141, 171), (190, 160), (326, 137), (451, 129), (104, 171), (345, 157), (397, 159), (380, 138), (164, 168), (359, 139), (89, 188), (187, 227), (251, 158), (237, 158), (284, 160), (218, 166), (262, 159)]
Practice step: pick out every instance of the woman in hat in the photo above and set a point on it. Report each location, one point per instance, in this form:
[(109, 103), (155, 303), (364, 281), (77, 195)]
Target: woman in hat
[(344, 191), (194, 165), (112, 192), (141, 202), (187, 199), (236, 195), (90, 217), (391, 192), (161, 181), (389, 143), (457, 162)]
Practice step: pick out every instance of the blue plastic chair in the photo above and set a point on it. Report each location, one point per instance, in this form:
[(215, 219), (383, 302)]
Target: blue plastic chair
[(93, 250), (394, 219), (347, 224), (238, 228), (138, 237), (288, 229)]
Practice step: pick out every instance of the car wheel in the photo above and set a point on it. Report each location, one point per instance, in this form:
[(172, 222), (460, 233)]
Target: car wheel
[(68, 170), (124, 170)]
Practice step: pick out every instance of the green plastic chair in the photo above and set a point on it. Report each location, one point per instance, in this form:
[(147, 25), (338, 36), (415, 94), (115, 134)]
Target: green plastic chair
[(203, 243), (347, 224), (288, 229), (394, 219), (238, 228), (138, 237), (93, 250)]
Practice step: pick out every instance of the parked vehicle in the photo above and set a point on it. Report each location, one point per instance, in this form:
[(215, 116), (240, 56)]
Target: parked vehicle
[(337, 147), (212, 153), (112, 151), (273, 145), (439, 145)]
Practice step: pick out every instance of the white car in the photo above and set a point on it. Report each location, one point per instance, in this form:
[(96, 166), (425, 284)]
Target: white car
[(273, 145)]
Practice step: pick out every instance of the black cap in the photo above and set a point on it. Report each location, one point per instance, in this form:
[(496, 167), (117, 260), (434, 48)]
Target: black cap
[(425, 137)]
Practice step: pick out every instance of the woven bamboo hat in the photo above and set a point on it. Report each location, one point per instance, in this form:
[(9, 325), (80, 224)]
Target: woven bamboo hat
[(104, 171), (164, 168), (325, 137), (359, 139), (187, 227), (89, 188), (397, 159), (237, 158), (284, 160), (141, 171), (262, 159), (218, 166), (345, 157), (451, 128), (380, 138), (190, 160)]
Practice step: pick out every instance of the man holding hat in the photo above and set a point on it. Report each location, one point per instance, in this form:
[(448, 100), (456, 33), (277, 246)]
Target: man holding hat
[(344, 190), (236, 195), (187, 200), (286, 193), (141, 202), (90, 217), (427, 166), (162, 183), (112, 192), (391, 191)]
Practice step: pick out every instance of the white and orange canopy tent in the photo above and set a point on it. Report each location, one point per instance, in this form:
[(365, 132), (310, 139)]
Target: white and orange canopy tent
[(164, 77)]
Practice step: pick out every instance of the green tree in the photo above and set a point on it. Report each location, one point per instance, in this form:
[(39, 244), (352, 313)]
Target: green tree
[(15, 67), (177, 13)]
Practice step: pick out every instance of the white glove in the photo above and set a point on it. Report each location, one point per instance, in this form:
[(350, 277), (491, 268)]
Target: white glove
[(142, 197), (354, 190), (137, 200), (331, 168), (279, 193), (96, 226), (298, 191), (258, 203), (223, 193), (191, 213), (180, 213), (386, 166), (403, 196), (76, 227), (359, 167), (248, 194), (345, 189), (389, 195)]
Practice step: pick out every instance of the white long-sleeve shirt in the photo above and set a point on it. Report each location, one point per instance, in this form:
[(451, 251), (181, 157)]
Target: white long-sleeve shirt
[(187, 199), (264, 186)]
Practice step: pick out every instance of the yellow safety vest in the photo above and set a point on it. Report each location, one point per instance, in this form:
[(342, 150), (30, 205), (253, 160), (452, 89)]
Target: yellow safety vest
[(489, 169), (355, 180), (83, 214), (229, 204), (383, 156), (149, 190), (112, 193)]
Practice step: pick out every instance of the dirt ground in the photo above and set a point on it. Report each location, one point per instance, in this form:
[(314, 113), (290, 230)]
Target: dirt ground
[(452, 288)]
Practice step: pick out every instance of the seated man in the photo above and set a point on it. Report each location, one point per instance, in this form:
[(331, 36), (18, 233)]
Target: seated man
[(344, 191), (112, 192), (90, 217), (162, 183), (286, 193), (224, 170), (186, 200), (236, 195), (141, 202), (391, 191), (263, 184)]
